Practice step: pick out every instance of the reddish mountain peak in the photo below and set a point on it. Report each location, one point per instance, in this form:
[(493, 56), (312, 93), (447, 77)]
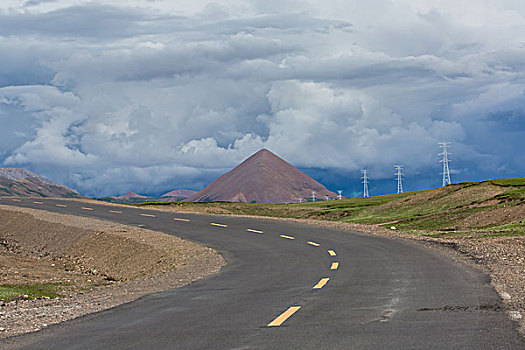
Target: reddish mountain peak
[(262, 152), (261, 155), (130, 195), (262, 178), (265, 159)]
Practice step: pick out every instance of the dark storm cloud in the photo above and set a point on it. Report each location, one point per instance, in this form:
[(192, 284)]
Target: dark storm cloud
[(101, 22), (31, 3), (287, 23)]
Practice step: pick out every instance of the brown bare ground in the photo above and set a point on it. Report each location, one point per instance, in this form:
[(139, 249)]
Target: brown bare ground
[(496, 216)]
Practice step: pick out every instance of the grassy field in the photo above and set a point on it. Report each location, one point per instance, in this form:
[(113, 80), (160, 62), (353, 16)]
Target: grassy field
[(30, 291), (485, 208)]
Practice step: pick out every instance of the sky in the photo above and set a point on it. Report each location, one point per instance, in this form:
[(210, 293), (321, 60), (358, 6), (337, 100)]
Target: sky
[(155, 95)]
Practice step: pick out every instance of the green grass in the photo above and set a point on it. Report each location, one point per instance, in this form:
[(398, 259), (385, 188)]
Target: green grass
[(514, 194), (519, 182), (149, 203), (447, 220), (10, 292), (516, 228)]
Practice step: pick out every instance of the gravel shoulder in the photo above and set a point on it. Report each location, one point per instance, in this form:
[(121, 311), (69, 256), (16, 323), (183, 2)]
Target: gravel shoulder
[(501, 258), (95, 265)]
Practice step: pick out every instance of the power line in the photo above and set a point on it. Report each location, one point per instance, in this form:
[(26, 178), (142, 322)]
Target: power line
[(399, 176), (444, 160), (365, 182)]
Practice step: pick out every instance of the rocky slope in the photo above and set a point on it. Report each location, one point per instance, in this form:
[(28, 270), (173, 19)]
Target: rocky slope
[(24, 183)]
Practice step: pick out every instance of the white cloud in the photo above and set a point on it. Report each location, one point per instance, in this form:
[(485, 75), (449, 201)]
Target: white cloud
[(37, 98)]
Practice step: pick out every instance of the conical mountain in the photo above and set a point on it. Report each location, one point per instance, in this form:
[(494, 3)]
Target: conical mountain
[(262, 178)]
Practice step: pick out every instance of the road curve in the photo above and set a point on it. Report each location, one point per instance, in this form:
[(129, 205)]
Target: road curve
[(290, 286)]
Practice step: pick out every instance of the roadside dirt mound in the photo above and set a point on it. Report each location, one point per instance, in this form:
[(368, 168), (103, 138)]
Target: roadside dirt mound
[(95, 264), (116, 252), (126, 254), (24, 234), (20, 270)]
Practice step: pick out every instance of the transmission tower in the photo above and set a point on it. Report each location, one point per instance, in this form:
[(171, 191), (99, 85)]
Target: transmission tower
[(365, 182), (399, 176), (446, 171), (339, 196), (313, 196)]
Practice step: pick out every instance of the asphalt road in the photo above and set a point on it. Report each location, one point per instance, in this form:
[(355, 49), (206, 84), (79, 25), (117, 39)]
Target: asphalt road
[(283, 293)]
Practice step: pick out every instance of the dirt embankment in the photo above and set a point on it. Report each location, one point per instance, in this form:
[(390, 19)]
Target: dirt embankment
[(94, 264)]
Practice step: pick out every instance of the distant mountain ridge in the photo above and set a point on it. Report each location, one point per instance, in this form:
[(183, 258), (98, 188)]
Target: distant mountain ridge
[(17, 174), (130, 195), (179, 193), (262, 178), (17, 182)]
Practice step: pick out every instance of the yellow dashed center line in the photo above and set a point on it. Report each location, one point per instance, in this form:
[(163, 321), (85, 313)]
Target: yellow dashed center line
[(321, 283), (313, 243), (335, 266), (148, 215), (115, 211), (178, 219), (332, 253), (220, 225), (252, 230), (86, 208), (284, 316), (61, 205), (38, 202), (287, 237)]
